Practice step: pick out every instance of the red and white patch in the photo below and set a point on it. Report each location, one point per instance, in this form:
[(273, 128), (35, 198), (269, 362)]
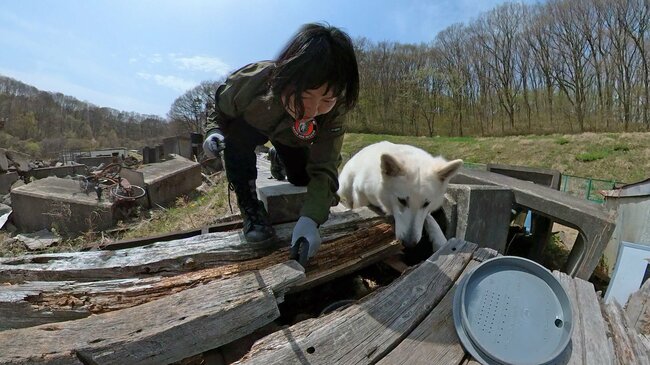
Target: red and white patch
[(304, 129)]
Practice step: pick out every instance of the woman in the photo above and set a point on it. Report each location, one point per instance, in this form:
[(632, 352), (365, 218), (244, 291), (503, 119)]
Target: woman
[(296, 102)]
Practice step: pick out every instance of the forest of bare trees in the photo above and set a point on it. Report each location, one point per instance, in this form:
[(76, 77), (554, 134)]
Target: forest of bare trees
[(43, 124), (565, 66)]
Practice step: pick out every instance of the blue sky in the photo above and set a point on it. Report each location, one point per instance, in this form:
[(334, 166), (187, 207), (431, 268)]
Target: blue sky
[(140, 55)]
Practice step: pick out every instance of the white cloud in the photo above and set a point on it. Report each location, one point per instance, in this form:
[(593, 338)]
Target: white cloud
[(172, 82), (201, 63), (156, 58), (55, 83)]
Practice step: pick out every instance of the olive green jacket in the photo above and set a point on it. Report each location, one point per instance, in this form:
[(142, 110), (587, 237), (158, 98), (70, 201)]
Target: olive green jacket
[(244, 95)]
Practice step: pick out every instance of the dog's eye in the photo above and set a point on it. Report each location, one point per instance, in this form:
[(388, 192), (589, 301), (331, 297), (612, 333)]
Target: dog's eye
[(403, 201), (426, 204)]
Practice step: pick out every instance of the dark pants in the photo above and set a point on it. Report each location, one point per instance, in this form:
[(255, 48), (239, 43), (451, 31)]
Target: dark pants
[(241, 163)]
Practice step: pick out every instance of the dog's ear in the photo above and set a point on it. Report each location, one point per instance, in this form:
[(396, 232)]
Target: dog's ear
[(449, 170), (390, 166)]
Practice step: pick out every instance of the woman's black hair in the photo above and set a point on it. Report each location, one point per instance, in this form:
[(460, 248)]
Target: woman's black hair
[(318, 54)]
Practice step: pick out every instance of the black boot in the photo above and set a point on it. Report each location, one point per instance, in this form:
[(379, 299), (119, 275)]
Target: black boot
[(257, 226), (277, 167)]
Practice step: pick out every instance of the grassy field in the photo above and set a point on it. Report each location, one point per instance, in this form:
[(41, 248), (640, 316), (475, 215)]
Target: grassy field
[(608, 156), (623, 157)]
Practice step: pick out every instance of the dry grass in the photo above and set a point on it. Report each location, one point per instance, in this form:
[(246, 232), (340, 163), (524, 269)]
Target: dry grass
[(195, 210), (189, 212)]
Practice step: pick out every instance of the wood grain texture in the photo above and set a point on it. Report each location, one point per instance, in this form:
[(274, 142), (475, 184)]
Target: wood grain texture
[(158, 332), (171, 257), (33, 303), (364, 333), (435, 338), (629, 348), (638, 309)]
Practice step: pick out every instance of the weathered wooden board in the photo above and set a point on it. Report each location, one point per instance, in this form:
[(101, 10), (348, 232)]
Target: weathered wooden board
[(589, 343), (364, 333), (158, 332), (470, 361), (574, 355), (629, 348), (435, 337), (168, 258), (638, 309), (32, 303)]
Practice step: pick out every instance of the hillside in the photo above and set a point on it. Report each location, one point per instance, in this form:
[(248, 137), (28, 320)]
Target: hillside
[(42, 123), (609, 156)]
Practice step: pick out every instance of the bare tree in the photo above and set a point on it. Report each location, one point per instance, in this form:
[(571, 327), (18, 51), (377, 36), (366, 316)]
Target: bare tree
[(190, 109)]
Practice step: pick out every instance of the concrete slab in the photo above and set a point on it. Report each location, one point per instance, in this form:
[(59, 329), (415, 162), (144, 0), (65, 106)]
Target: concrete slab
[(59, 203), (540, 225), (4, 162), (545, 177), (58, 171), (165, 181), (594, 223), (282, 199), (178, 145), (6, 181), (21, 160), (483, 214), (94, 161)]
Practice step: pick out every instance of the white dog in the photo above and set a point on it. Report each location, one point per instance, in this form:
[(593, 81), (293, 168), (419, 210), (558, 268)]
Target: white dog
[(403, 181)]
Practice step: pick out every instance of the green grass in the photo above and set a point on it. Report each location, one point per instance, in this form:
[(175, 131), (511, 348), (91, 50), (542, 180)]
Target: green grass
[(607, 156), (562, 141), (593, 155)]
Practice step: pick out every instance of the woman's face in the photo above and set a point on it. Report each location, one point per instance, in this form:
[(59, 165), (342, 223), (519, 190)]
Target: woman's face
[(315, 102)]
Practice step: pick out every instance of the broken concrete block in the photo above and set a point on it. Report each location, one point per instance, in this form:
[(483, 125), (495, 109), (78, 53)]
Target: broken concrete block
[(38, 240), (483, 214), (7, 180), (165, 181), (60, 203), (61, 171), (283, 201), (4, 162), (540, 176), (20, 160)]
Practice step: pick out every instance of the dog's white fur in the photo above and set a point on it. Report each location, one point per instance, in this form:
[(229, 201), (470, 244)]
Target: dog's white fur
[(403, 181)]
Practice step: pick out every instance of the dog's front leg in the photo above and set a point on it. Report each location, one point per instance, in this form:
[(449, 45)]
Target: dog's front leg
[(434, 232)]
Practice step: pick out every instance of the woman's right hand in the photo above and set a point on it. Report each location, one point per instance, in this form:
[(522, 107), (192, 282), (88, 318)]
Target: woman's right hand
[(213, 144)]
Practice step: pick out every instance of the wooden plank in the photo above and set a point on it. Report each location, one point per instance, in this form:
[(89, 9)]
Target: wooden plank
[(159, 332), (142, 241), (435, 339), (629, 349), (470, 361), (645, 341), (365, 332), (168, 258), (33, 303), (595, 342), (575, 355), (638, 309), (589, 343)]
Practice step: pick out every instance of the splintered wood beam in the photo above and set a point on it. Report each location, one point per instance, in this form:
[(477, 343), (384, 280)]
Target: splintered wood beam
[(627, 344), (365, 332), (168, 258), (435, 337), (161, 331), (638, 309), (33, 303)]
